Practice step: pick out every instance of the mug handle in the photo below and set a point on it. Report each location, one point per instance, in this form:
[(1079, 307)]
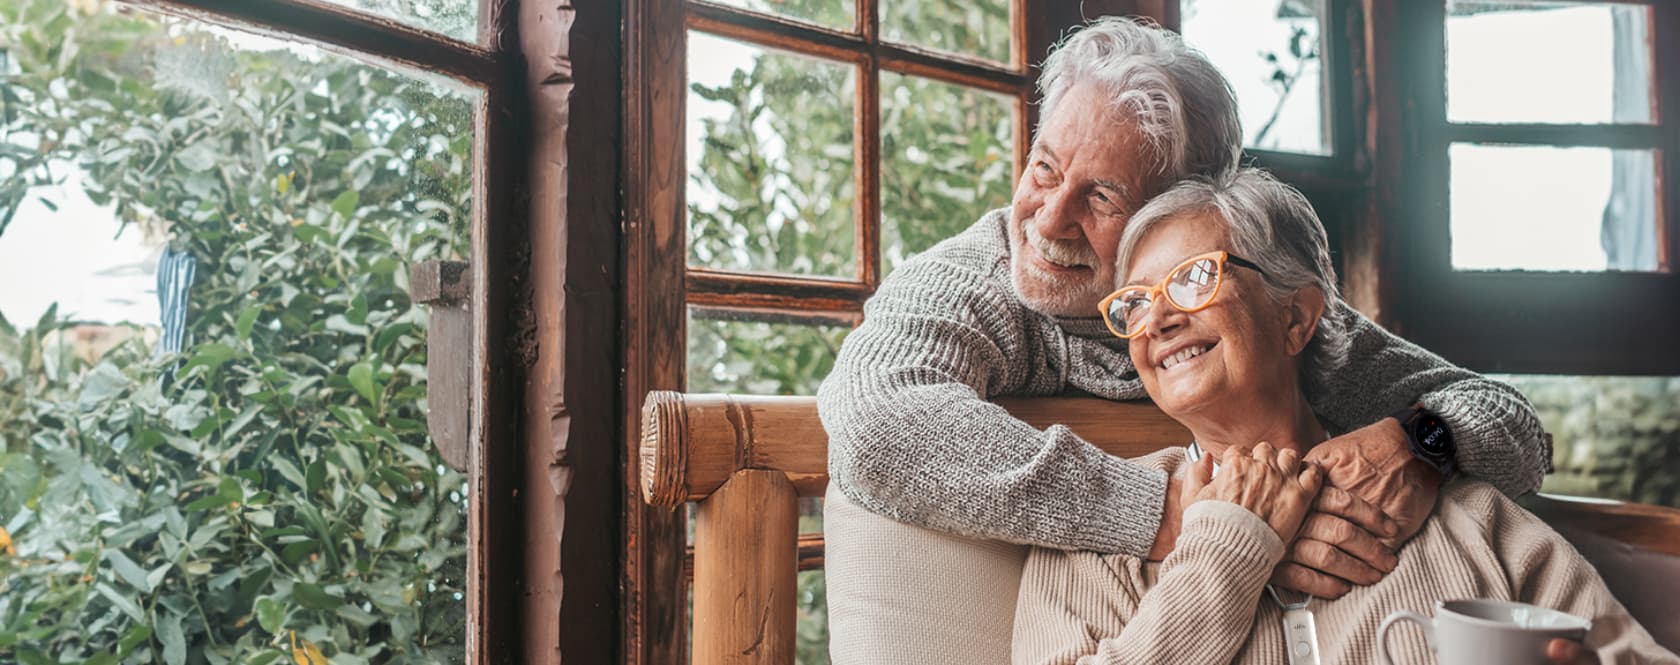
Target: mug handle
[(1419, 619)]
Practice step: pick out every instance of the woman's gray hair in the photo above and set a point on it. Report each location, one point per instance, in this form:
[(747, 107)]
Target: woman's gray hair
[(1185, 110), (1271, 224)]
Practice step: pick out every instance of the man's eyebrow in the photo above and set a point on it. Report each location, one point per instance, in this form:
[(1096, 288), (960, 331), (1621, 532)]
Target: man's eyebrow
[(1039, 147)]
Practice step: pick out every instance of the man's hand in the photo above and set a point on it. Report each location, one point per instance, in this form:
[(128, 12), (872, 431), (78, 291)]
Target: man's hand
[(1179, 493), (1377, 495), (1569, 652)]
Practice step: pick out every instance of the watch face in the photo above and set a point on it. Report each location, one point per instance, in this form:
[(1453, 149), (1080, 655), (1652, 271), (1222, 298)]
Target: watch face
[(1432, 435)]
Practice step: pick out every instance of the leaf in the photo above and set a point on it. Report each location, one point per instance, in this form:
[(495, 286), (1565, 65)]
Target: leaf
[(313, 597), (129, 571), (135, 636), (247, 319), (271, 615), (345, 203), (169, 634), (120, 601), (361, 378)]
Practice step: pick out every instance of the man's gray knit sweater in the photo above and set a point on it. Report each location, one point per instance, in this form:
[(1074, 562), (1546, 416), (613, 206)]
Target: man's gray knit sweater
[(912, 437)]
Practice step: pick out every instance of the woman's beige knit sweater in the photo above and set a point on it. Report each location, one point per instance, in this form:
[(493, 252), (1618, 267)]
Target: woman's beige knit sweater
[(1206, 602)]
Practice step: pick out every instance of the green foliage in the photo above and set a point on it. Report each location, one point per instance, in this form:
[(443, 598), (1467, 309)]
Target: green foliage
[(1613, 437), (774, 192), (273, 485)]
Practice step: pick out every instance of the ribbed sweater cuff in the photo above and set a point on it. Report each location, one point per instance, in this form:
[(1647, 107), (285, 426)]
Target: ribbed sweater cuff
[(1229, 532), (1483, 439), (1129, 517)]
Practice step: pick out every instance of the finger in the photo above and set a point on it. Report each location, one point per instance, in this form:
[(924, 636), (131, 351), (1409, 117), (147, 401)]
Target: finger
[(1331, 560), (1311, 479), (1199, 475), (1569, 652), (1346, 505), (1300, 578), (1263, 452), (1288, 461), (1350, 538)]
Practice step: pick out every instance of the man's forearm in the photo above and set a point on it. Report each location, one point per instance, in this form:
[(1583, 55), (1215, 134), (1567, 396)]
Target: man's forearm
[(937, 457)]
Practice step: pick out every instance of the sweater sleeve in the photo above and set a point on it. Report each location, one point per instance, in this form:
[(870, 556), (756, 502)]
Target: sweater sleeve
[(912, 437), (1201, 610), (1499, 438), (1545, 570)]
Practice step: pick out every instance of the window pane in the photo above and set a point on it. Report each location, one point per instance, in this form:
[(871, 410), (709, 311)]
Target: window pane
[(1616, 437), (758, 358), (836, 14), (1598, 213), (977, 28), (947, 157), (456, 18), (1272, 53), (217, 437), (1506, 60), (770, 160), (811, 645)]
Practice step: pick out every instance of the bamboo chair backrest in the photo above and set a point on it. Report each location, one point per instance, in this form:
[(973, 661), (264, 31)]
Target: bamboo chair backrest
[(746, 460)]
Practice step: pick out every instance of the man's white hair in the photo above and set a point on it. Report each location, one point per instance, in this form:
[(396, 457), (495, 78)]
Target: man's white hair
[(1183, 107)]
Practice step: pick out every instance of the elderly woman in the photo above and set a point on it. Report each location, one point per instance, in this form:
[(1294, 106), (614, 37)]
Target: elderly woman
[(1227, 285)]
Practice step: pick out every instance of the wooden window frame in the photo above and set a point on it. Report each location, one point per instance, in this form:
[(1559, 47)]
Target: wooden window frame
[(1525, 322), (496, 68), (659, 286)]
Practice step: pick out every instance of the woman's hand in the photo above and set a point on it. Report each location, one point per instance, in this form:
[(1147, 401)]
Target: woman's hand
[(1271, 483), (1569, 652)]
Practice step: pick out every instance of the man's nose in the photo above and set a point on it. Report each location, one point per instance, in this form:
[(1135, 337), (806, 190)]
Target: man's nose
[(1058, 218)]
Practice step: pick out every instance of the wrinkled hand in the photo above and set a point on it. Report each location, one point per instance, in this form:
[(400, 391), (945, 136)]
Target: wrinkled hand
[(1172, 517), (1569, 652), (1377, 495), (1272, 483)]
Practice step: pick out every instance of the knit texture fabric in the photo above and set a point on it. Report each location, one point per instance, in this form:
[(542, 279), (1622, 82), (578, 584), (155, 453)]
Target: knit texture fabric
[(1205, 603), (913, 437)]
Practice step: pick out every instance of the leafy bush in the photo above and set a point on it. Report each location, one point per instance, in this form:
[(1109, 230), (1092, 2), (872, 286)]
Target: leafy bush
[(270, 492)]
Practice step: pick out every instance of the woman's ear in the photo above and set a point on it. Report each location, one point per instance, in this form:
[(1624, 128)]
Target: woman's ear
[(1303, 312)]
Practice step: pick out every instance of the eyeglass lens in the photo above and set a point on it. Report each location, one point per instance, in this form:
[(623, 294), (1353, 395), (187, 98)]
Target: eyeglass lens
[(1188, 288)]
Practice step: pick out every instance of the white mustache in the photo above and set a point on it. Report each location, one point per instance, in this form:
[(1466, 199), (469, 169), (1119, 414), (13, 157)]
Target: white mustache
[(1065, 252)]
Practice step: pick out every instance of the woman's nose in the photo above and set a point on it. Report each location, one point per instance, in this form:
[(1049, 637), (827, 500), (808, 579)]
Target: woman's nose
[(1163, 317)]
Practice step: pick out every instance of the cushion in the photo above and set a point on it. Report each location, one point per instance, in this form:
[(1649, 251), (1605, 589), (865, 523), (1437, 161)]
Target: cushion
[(903, 594), (1641, 579)]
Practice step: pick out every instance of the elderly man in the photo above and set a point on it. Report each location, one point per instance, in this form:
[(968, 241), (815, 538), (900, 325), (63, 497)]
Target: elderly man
[(950, 486)]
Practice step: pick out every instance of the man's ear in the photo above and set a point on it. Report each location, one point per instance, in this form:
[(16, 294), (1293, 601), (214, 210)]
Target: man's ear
[(1303, 312)]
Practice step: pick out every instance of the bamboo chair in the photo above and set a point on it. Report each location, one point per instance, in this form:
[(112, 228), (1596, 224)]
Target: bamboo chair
[(748, 459)]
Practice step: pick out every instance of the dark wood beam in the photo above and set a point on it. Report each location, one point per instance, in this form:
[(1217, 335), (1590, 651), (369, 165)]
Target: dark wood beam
[(343, 28)]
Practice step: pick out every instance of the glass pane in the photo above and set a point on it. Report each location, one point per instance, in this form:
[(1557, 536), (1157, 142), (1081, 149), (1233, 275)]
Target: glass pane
[(947, 157), (811, 643), (1505, 61), (215, 442), (758, 358), (769, 160), (1598, 213), (1616, 437), (836, 14), (977, 28), (1272, 53), (456, 18)]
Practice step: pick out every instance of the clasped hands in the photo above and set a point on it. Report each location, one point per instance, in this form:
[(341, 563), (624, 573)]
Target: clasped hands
[(1367, 495)]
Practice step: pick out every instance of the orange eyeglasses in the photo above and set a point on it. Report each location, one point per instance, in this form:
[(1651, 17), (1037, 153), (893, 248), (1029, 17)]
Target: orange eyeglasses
[(1190, 287)]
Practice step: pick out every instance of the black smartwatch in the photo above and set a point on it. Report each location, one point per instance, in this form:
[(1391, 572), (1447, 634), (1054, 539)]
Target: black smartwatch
[(1430, 438)]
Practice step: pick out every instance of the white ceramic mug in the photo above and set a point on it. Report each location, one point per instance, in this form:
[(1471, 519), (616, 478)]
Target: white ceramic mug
[(1487, 632)]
